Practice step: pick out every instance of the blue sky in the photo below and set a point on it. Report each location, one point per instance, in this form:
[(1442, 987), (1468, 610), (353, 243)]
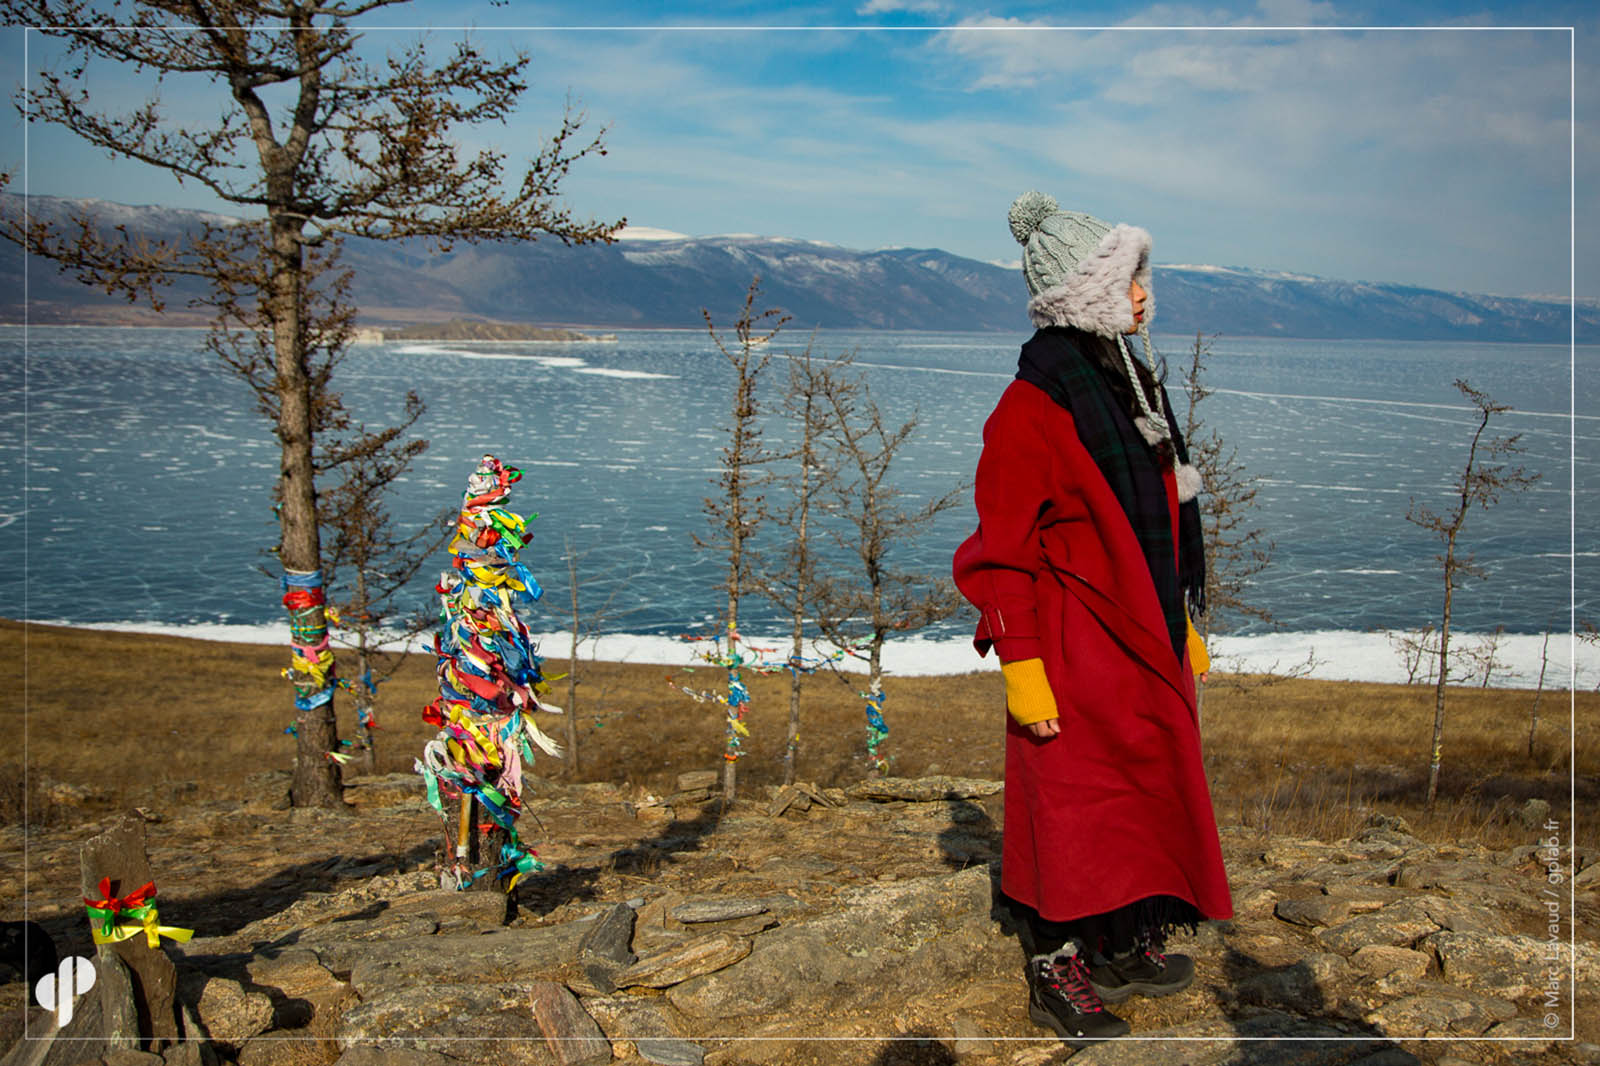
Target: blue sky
[(1436, 157)]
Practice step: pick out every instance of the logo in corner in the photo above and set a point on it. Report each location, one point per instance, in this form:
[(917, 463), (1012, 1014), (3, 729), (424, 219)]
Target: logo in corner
[(56, 991)]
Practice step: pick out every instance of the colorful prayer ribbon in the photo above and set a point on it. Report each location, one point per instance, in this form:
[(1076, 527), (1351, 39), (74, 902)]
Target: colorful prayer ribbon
[(488, 670), (116, 918)]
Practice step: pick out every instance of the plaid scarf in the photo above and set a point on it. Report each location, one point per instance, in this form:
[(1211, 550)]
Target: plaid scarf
[(1083, 373)]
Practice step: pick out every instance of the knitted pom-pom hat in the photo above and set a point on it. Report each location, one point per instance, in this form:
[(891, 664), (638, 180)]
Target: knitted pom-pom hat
[(1078, 267)]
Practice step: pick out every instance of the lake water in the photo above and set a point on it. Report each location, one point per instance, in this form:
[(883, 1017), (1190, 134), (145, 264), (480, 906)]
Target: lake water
[(136, 487)]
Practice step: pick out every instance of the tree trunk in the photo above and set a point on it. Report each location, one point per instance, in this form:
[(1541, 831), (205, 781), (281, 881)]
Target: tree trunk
[(364, 705), (877, 761), (1437, 747), (1533, 717), (571, 724), (730, 754), (730, 765), (316, 777), (792, 742), (365, 694), (801, 589)]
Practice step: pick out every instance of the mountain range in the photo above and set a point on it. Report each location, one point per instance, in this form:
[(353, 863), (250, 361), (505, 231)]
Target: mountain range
[(651, 279)]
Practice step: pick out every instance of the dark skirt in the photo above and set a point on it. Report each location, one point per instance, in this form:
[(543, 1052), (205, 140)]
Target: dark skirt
[(1113, 932)]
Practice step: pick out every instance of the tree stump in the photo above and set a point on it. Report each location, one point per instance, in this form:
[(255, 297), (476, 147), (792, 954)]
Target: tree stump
[(119, 854)]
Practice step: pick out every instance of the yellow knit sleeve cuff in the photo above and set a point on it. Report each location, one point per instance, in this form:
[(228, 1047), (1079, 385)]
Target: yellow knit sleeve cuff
[(1199, 658), (1028, 695)]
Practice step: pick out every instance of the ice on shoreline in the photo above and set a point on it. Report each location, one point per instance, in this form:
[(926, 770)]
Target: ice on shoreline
[(1332, 655)]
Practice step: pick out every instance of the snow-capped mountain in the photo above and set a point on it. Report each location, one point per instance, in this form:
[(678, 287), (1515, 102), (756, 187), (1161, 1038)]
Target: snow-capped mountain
[(659, 278)]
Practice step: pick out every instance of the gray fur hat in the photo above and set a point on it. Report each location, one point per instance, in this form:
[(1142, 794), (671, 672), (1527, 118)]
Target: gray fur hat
[(1078, 267)]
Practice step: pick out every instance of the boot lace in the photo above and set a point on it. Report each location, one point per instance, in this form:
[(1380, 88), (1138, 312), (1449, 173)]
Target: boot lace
[(1151, 945), (1068, 975)]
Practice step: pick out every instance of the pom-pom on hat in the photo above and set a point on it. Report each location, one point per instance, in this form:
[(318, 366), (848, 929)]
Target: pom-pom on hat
[(1078, 267)]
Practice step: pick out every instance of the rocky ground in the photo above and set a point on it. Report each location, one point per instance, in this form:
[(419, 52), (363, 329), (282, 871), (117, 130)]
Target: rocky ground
[(846, 928)]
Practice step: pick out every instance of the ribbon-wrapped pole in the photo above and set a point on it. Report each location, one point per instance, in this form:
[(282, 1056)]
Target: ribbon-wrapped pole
[(490, 680)]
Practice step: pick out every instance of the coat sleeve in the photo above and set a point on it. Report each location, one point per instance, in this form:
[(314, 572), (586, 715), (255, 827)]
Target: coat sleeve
[(995, 568)]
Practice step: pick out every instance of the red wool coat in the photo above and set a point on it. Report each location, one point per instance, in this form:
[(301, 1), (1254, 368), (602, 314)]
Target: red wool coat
[(1116, 808)]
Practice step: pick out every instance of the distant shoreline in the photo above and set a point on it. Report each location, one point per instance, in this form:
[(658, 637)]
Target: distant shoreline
[(464, 329), (1332, 655), (1022, 331)]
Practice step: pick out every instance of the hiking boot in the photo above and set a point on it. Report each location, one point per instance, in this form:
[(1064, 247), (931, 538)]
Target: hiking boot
[(1144, 971), (1061, 997)]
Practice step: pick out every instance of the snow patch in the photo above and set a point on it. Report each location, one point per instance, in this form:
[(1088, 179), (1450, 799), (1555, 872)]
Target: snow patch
[(650, 233)]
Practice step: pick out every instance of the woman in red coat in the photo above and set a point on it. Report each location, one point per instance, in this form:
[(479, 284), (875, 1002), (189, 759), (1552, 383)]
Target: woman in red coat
[(1086, 560)]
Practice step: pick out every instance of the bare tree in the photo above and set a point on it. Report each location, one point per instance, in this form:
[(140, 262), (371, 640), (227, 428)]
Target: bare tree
[(1236, 549), (1484, 656), (315, 142), (789, 579), (1538, 692), (738, 510), (1482, 481), (1418, 651), (861, 610), (1588, 634), (585, 627), (369, 563)]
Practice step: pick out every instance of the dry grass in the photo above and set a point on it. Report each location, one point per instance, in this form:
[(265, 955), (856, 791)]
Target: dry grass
[(126, 719)]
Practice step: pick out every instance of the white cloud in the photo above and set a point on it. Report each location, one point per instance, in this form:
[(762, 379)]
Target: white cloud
[(1009, 53), (1351, 155), (910, 7)]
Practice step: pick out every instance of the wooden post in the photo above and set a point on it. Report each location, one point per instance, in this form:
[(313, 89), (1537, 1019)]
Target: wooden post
[(465, 835), (119, 854)]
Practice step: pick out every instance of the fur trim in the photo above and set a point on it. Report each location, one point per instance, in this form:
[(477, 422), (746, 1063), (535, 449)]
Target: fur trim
[(1189, 483), (1152, 431), (1095, 297)]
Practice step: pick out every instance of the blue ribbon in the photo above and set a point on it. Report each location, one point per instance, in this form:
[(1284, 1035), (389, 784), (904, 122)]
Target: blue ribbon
[(312, 580), (316, 699)]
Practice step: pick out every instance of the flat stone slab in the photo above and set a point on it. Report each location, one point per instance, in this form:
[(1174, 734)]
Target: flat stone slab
[(691, 780), (573, 1037), (638, 1020), (1380, 960), (704, 955), (491, 1023), (384, 927), (1397, 925), (454, 911), (670, 1051), (693, 911), (292, 972), (855, 948), (1440, 1012), (504, 955), (1314, 911), (1509, 967), (228, 1014), (1364, 896), (609, 935), (368, 1055), (924, 789)]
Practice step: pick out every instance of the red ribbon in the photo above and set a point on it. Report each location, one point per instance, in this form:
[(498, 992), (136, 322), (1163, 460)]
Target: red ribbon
[(116, 904), (299, 599)]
